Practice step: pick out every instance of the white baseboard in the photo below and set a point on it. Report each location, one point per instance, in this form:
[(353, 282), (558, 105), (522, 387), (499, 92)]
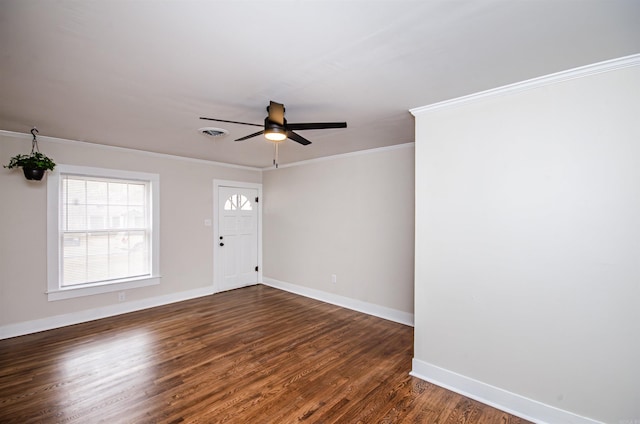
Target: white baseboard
[(345, 302), (34, 326), (504, 400)]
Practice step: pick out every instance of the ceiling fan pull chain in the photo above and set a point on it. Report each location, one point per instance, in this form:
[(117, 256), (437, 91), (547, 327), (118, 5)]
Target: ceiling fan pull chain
[(275, 157)]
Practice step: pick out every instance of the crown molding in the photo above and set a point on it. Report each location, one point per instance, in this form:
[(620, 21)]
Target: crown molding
[(126, 149), (342, 155), (581, 72)]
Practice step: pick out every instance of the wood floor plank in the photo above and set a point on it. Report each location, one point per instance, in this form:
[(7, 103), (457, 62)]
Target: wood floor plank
[(254, 355)]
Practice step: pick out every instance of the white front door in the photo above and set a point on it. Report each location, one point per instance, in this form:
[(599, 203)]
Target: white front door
[(237, 242)]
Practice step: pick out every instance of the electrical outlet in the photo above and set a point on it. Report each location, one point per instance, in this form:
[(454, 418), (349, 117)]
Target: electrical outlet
[(122, 296), (334, 278)]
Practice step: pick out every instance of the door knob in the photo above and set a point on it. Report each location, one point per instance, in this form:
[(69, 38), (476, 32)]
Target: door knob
[(221, 244)]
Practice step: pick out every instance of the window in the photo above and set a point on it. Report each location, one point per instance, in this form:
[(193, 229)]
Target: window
[(102, 231), (237, 202)]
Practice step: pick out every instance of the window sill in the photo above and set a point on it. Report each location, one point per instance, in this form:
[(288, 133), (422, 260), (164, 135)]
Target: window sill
[(71, 292)]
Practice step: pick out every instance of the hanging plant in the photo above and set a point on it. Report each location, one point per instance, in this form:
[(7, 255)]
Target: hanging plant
[(33, 165)]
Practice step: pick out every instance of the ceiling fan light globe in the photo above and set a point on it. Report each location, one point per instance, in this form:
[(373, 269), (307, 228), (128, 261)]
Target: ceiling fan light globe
[(275, 134)]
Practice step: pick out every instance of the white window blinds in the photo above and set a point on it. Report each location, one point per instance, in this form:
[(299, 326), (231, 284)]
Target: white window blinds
[(105, 229)]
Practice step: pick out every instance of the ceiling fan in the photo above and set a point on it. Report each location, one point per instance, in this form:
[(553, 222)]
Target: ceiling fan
[(276, 128)]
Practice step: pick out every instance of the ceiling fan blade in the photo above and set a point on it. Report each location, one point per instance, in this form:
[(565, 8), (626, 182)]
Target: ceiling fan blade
[(250, 135), (298, 138), (232, 122), (316, 125), (276, 112)]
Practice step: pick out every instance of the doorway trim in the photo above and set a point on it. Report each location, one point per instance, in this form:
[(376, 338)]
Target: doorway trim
[(216, 227)]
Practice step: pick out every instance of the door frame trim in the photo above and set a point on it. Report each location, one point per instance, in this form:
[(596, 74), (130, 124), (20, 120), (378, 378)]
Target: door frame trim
[(216, 228)]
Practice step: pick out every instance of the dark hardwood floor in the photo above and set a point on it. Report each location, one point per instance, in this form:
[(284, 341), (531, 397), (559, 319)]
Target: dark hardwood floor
[(253, 355)]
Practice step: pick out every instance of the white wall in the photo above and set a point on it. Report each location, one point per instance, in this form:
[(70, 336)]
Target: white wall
[(352, 216), (186, 245), (528, 248)]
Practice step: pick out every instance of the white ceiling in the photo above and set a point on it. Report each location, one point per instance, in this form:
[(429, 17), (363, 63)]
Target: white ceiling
[(139, 74)]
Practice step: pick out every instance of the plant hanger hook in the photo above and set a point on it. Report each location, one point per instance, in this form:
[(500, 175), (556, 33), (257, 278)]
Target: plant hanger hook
[(34, 143)]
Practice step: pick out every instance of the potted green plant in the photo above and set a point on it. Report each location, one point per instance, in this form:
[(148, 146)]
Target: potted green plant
[(33, 165)]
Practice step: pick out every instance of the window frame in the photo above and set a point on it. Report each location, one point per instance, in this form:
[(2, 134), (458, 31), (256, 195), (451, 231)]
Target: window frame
[(55, 291)]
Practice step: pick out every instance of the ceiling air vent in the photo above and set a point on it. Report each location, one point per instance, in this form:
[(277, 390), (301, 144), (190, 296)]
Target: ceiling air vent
[(213, 132)]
